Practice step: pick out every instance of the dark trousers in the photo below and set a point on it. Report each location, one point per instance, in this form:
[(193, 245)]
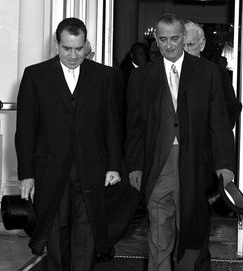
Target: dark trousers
[(71, 245), (203, 262)]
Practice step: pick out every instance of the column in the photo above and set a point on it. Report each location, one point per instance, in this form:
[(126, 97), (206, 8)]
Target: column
[(92, 17), (238, 75), (109, 32), (30, 49), (31, 21)]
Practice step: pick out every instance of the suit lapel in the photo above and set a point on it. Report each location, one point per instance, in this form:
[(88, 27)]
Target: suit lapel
[(157, 79), (185, 81), (162, 91), (86, 84), (167, 93), (56, 78)]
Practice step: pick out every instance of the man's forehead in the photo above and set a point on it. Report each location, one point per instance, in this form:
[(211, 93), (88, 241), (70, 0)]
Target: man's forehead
[(174, 29), (172, 25), (192, 34)]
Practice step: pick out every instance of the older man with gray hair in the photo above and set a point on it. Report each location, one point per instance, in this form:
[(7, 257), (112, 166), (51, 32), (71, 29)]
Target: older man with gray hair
[(195, 39), (194, 44)]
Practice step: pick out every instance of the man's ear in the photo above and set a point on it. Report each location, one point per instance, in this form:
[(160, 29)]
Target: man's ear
[(202, 44), (56, 46)]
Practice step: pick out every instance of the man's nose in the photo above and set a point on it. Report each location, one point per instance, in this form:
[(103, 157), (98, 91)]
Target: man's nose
[(73, 53), (168, 44)]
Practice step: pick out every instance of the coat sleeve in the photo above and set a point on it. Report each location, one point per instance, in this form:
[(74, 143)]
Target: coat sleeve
[(234, 106), (222, 138), (134, 147), (26, 126), (113, 122)]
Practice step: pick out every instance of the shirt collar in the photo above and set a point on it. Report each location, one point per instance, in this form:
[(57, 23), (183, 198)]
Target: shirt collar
[(66, 69), (178, 63)]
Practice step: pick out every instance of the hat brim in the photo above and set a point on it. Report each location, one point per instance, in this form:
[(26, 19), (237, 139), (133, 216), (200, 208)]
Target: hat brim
[(231, 195)]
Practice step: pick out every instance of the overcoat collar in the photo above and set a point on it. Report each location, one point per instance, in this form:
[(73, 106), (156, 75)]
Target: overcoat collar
[(86, 84), (56, 77), (187, 75), (158, 78)]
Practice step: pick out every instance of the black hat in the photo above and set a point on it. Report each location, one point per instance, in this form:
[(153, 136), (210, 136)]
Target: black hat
[(231, 195), (18, 213)]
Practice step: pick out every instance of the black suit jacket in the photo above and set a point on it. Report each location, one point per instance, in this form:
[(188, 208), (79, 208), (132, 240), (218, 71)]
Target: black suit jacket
[(206, 139), (50, 134)]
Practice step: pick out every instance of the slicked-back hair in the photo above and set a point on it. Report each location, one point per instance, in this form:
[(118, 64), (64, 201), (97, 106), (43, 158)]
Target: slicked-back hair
[(170, 18), (73, 26)]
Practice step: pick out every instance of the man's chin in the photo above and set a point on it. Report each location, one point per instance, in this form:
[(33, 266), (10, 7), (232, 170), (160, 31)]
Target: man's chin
[(73, 65)]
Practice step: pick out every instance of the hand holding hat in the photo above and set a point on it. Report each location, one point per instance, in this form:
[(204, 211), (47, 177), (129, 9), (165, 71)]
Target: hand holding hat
[(231, 194), (17, 210), (227, 175), (18, 213), (27, 188)]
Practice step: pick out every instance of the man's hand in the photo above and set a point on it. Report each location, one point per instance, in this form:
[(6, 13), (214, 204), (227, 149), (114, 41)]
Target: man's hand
[(112, 177), (227, 175), (135, 178), (27, 188)]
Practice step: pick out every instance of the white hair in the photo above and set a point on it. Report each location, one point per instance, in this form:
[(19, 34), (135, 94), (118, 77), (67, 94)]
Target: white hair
[(194, 26)]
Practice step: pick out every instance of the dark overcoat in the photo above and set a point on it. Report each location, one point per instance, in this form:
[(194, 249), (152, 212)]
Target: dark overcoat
[(50, 134), (205, 142)]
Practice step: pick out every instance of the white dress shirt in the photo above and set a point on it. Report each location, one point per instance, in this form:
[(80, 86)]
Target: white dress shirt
[(71, 76), (178, 65)]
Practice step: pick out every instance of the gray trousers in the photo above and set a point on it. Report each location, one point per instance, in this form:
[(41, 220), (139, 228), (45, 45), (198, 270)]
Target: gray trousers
[(163, 210)]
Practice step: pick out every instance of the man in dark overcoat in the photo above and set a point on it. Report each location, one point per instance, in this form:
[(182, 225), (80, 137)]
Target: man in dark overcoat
[(177, 125), (69, 149), (194, 44)]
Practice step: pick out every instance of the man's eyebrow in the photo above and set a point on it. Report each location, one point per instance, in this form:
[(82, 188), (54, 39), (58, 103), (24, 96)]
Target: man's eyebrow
[(68, 47)]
